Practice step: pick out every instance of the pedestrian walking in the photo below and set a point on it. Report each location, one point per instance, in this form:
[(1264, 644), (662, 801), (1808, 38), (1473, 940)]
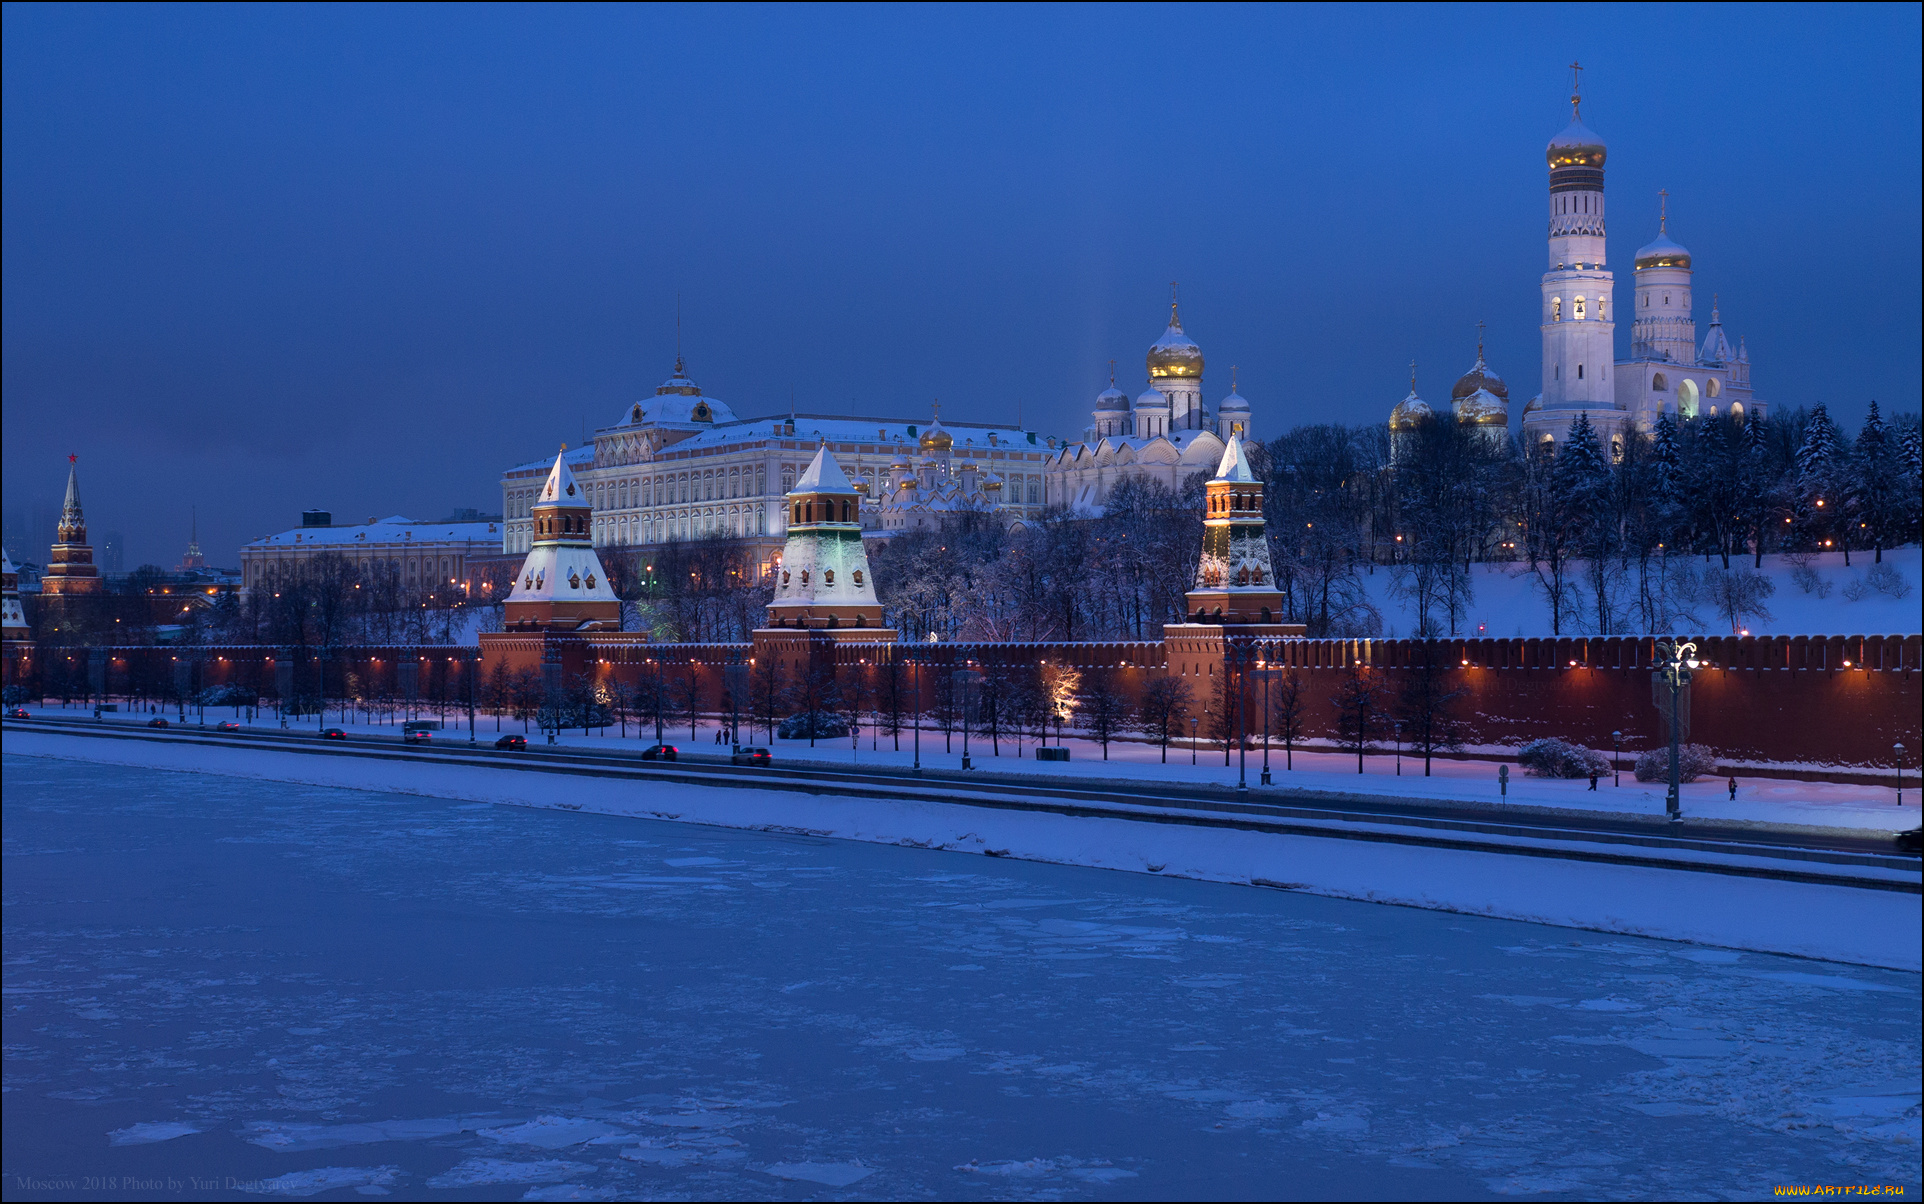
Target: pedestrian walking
[(1733, 787), (1593, 779)]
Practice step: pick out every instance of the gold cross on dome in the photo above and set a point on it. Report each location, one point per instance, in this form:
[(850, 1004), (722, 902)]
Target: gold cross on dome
[(1576, 91), (1663, 211)]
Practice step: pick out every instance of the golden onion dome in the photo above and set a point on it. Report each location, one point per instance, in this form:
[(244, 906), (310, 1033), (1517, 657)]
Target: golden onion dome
[(1576, 146), (1175, 355), (936, 438), (1482, 408), (1534, 404), (1663, 253), (1409, 412), (1479, 377)]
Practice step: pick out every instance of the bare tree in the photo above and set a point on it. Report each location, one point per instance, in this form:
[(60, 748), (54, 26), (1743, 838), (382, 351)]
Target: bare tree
[(1165, 703), (1426, 706), (1286, 714), (1104, 707), (1359, 707)]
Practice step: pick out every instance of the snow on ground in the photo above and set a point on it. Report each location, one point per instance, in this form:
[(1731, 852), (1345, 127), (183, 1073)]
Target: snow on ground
[(1759, 799), (439, 999), (1509, 604), (1871, 927)]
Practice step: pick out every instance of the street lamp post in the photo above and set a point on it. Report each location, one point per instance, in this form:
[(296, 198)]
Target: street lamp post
[(1243, 654), (473, 663), (1267, 673), (1192, 739), (1616, 757), (915, 667), (1674, 664), (1898, 750)]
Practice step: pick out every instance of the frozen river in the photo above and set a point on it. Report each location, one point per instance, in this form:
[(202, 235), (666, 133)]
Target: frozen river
[(217, 986)]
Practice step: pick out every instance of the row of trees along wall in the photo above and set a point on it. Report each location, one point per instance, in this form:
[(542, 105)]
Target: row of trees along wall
[(1835, 700)]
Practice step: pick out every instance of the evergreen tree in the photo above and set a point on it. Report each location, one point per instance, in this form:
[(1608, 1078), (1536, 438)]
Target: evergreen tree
[(1872, 504), (1815, 482), (1910, 468)]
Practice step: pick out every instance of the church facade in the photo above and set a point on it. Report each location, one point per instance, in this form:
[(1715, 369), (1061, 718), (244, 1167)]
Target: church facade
[(1168, 433)]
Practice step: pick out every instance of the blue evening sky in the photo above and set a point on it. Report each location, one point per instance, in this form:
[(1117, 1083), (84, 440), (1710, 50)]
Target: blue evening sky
[(264, 258)]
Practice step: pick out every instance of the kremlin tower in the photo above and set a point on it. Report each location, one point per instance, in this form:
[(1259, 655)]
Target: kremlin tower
[(1234, 583), (70, 567), (824, 581), (562, 586)]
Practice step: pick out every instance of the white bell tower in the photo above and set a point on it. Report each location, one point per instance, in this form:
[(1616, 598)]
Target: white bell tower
[(1579, 327)]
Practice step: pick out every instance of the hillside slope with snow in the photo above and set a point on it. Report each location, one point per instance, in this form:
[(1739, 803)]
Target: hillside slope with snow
[(1831, 600)]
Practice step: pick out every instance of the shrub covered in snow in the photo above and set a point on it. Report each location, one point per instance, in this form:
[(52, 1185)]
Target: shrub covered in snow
[(813, 725), (1693, 761), (1885, 579), (1560, 759)]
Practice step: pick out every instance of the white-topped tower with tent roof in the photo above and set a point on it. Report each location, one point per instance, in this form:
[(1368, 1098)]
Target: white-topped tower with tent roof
[(824, 582), (562, 586)]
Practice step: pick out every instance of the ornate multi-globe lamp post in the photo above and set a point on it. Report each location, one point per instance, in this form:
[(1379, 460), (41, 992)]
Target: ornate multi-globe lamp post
[(1674, 664)]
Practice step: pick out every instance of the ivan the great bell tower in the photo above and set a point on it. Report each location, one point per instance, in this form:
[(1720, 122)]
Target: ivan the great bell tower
[(1578, 333)]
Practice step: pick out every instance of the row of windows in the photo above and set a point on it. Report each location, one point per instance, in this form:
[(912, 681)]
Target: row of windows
[(1666, 300), (1567, 202), (413, 568)]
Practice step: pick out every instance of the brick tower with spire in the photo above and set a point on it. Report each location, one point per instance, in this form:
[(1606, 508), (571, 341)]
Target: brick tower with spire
[(70, 566)]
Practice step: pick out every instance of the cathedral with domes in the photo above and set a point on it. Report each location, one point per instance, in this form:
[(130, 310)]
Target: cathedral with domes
[(1168, 432), (1668, 370)]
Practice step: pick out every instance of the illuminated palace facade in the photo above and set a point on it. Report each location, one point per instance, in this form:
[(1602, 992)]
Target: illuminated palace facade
[(681, 465)]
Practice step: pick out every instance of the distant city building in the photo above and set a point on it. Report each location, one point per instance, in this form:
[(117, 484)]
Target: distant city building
[(1169, 434), (191, 560), (422, 556), (70, 564), (681, 466)]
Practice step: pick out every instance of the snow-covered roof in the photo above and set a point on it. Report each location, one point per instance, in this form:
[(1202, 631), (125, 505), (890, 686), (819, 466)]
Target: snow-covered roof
[(393, 529), (578, 458), (1662, 252), (824, 475), (1111, 399), (1152, 399), (561, 489), (1716, 348), (1235, 465), (1234, 403)]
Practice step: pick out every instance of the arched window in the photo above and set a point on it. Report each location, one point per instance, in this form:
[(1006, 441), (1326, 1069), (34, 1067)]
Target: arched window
[(1577, 311), (1659, 383), (1556, 309), (1579, 371), (1713, 387)]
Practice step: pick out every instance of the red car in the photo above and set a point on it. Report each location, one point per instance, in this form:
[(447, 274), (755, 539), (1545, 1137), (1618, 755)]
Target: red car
[(415, 737), (159, 721), (658, 752), (517, 743), (333, 733), (745, 755), (227, 725), (19, 713)]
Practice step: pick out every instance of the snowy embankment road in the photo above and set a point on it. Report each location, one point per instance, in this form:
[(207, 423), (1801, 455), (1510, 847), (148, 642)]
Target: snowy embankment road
[(1755, 900)]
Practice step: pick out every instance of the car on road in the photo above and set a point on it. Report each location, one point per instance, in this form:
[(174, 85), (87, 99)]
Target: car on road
[(19, 713), (227, 725), (159, 721), (418, 736), (745, 755), (658, 752), (517, 743), (333, 733), (1911, 841)]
